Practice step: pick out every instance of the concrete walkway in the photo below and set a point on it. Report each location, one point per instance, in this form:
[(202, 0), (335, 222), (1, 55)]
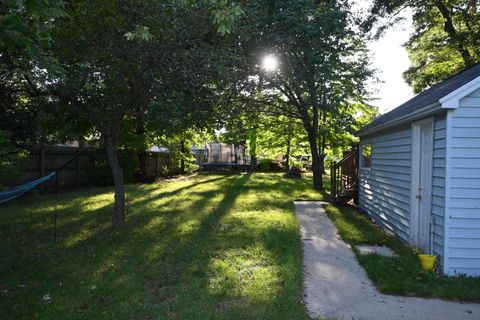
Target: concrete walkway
[(337, 287)]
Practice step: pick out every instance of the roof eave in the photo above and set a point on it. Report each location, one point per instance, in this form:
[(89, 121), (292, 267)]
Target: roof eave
[(419, 113), (452, 100)]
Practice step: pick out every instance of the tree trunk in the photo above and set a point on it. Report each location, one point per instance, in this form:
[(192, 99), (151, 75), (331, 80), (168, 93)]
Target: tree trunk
[(322, 163), (287, 156), (322, 148), (143, 165), (311, 127), (182, 157), (141, 153), (316, 162), (253, 148), (119, 208)]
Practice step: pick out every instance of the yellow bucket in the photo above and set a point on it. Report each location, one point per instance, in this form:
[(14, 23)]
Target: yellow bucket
[(427, 261)]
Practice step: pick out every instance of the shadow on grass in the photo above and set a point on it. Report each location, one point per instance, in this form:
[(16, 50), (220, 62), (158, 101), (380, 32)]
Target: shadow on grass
[(198, 251), (168, 193)]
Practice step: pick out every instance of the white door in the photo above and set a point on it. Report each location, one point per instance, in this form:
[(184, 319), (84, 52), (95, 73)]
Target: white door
[(422, 184)]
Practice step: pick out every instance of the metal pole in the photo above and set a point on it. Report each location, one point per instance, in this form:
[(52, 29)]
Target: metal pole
[(55, 213)]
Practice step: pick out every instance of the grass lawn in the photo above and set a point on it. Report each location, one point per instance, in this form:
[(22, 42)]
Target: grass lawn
[(401, 275), (210, 247)]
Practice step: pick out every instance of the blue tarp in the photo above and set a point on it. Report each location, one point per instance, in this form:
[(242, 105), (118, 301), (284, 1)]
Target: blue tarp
[(14, 192)]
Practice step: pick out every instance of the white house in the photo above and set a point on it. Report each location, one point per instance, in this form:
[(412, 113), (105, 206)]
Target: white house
[(420, 171)]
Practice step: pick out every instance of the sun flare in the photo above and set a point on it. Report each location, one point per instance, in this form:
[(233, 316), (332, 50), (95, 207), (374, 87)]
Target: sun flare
[(270, 63)]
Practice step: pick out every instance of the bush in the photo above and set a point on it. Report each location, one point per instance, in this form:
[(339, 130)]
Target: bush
[(101, 175), (190, 163), (191, 167), (270, 165), (294, 172)]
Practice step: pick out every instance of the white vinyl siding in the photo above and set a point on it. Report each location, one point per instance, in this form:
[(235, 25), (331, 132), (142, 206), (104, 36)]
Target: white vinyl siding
[(438, 186), (384, 191), (464, 205)]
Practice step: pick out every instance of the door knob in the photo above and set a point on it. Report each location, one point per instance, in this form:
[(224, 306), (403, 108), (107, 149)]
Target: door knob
[(419, 196)]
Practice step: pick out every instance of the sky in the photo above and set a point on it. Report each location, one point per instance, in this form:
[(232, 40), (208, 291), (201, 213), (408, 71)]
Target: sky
[(391, 60)]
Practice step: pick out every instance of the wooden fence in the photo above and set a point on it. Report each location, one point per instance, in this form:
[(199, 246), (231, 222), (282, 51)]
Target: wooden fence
[(159, 164), (45, 159)]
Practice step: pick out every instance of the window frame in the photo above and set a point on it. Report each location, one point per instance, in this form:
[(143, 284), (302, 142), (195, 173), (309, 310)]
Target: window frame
[(363, 157)]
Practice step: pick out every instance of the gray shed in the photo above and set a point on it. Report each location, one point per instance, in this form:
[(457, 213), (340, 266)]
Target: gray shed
[(420, 172)]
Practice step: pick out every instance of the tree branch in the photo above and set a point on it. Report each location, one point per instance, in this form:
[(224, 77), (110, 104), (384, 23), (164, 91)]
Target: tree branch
[(453, 34)]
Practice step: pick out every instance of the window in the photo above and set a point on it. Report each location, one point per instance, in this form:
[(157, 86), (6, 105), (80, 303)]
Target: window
[(365, 155)]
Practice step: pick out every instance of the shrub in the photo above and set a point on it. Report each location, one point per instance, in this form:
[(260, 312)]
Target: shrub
[(294, 172), (191, 167), (190, 163), (270, 165)]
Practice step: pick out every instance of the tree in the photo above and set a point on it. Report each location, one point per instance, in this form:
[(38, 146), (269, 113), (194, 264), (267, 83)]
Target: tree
[(446, 38), (322, 63), (122, 60), (338, 128), (242, 123), (280, 135), (105, 76), (269, 135), (180, 147)]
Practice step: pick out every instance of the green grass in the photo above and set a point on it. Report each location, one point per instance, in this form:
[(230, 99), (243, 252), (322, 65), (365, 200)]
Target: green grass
[(210, 247), (401, 275)]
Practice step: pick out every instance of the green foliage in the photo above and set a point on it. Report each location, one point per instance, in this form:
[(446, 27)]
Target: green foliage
[(270, 165), (338, 131), (294, 163), (191, 166), (436, 54), (10, 159), (323, 66), (141, 33), (88, 69), (148, 61), (131, 59), (225, 14), (25, 27), (243, 128), (269, 136), (446, 38), (180, 146), (276, 133)]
